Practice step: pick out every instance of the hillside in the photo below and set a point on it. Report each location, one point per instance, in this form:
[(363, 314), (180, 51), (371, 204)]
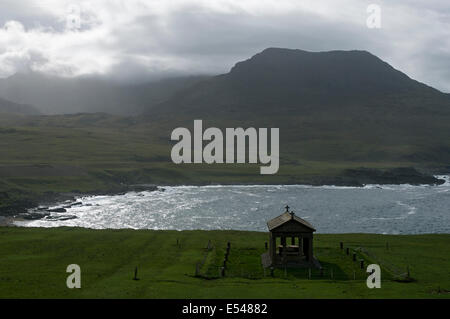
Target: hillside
[(345, 118), (296, 80), (337, 105), (15, 108)]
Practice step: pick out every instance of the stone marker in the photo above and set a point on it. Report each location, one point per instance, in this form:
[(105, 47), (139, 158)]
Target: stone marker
[(135, 273)]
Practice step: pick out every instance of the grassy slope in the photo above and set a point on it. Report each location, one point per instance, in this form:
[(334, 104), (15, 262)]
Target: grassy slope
[(99, 152), (33, 264)]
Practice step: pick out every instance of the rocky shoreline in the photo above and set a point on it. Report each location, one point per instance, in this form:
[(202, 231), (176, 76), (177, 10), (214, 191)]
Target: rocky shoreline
[(51, 202), (60, 202)]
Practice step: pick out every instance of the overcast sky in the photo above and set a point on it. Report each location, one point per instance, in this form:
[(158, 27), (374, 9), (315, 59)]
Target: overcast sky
[(131, 39)]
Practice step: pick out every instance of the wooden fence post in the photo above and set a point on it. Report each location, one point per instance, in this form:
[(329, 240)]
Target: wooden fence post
[(135, 273)]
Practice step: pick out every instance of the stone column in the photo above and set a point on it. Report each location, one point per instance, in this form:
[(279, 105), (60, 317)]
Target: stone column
[(305, 245), (273, 249), (283, 243), (310, 252)]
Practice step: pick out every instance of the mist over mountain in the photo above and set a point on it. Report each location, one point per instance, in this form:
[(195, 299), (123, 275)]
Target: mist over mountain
[(57, 95), (16, 108)]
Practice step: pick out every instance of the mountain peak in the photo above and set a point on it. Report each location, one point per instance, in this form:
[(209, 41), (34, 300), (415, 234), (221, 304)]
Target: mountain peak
[(329, 72)]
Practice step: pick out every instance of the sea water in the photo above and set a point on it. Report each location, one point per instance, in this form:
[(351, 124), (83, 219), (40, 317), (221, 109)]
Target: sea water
[(385, 209)]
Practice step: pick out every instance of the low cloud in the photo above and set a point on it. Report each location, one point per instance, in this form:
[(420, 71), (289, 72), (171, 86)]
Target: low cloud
[(134, 39)]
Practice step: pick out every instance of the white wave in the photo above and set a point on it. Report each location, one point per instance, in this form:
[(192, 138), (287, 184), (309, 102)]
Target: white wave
[(446, 178)]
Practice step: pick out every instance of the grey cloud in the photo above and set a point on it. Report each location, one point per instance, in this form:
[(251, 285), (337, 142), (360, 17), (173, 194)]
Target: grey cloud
[(197, 38)]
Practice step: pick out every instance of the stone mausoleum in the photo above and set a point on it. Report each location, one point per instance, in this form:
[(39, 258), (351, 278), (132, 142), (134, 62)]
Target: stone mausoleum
[(290, 242)]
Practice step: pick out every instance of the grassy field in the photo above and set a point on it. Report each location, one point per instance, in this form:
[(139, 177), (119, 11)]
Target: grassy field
[(33, 265)]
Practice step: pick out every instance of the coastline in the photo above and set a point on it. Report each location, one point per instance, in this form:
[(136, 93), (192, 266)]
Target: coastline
[(7, 221), (351, 178), (62, 207)]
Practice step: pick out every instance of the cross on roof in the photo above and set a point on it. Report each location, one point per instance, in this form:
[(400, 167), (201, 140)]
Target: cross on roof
[(287, 208)]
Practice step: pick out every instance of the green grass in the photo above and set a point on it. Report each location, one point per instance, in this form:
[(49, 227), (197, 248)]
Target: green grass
[(33, 263)]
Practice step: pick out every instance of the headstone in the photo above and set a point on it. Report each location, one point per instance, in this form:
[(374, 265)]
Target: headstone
[(265, 245), (341, 244), (347, 251), (361, 263)]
